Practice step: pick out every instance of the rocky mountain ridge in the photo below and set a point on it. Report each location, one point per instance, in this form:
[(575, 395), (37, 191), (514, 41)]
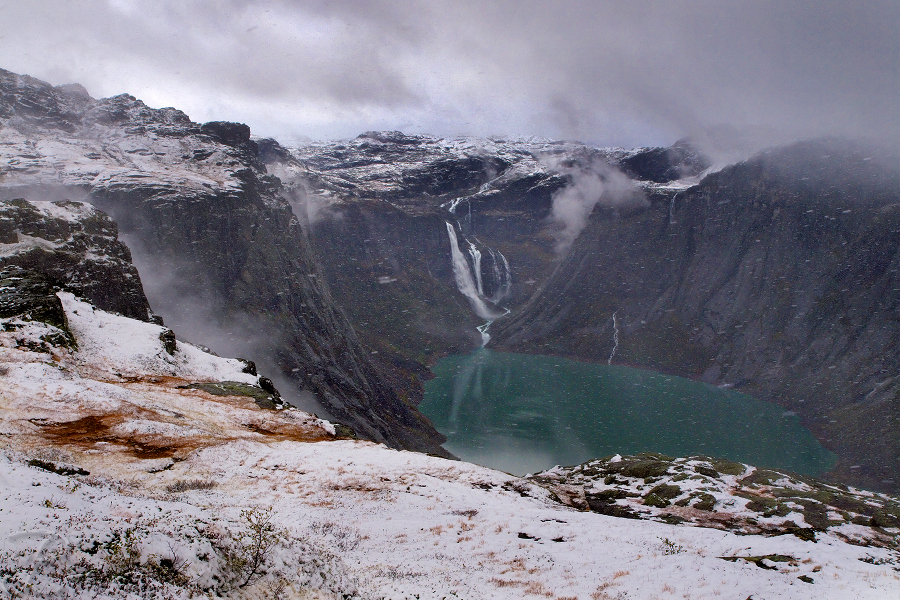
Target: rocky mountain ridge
[(218, 247), (380, 205)]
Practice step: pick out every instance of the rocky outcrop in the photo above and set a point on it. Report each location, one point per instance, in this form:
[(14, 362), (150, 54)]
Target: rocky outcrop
[(778, 276), (722, 494), (71, 246), (223, 256)]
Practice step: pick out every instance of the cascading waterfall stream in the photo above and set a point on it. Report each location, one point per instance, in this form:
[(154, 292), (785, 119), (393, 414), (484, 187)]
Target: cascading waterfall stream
[(503, 279), (615, 338), (476, 266), (672, 220), (472, 287)]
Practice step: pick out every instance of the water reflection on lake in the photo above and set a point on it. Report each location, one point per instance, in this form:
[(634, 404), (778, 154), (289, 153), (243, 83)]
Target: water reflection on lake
[(524, 413)]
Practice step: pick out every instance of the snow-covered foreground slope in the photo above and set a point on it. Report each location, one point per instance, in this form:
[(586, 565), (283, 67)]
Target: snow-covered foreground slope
[(123, 475)]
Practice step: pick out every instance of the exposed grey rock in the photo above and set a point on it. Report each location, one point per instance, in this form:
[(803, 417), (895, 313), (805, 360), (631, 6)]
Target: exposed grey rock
[(72, 246)]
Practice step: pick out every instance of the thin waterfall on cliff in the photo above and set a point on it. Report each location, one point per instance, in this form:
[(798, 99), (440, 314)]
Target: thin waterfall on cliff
[(476, 266), (501, 275)]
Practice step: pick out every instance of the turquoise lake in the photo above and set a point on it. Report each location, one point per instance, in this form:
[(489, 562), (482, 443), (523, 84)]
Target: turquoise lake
[(524, 413)]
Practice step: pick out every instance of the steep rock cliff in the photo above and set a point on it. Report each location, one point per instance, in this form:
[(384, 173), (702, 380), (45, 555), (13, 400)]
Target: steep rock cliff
[(779, 276), (223, 257)]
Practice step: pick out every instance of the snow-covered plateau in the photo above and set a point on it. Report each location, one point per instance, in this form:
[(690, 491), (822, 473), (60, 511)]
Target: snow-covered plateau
[(131, 469)]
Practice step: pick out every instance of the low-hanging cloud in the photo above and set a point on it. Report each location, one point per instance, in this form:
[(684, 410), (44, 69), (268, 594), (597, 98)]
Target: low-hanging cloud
[(308, 205), (643, 72), (591, 184)]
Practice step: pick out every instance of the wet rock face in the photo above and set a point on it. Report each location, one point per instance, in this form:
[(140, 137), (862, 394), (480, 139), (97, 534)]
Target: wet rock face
[(73, 247), (778, 276), (30, 296), (221, 249)]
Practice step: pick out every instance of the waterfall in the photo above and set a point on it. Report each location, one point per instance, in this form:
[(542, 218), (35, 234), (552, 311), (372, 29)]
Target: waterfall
[(672, 220), (465, 282), (615, 339), (502, 277), (476, 264), (451, 206)]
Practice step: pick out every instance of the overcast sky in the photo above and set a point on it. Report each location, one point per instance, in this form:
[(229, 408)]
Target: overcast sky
[(615, 72)]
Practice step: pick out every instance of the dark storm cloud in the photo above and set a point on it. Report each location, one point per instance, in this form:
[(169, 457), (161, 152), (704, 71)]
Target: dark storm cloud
[(608, 72)]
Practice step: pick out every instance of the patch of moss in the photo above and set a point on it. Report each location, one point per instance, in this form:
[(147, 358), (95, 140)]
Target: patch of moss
[(611, 495), (344, 432), (727, 466), (815, 515), (263, 398), (767, 507), (656, 501), (671, 519), (807, 534), (666, 491), (885, 519), (661, 495), (760, 505), (642, 469), (705, 502)]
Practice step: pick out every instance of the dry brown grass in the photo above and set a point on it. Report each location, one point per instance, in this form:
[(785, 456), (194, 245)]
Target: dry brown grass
[(534, 588), (356, 484)]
